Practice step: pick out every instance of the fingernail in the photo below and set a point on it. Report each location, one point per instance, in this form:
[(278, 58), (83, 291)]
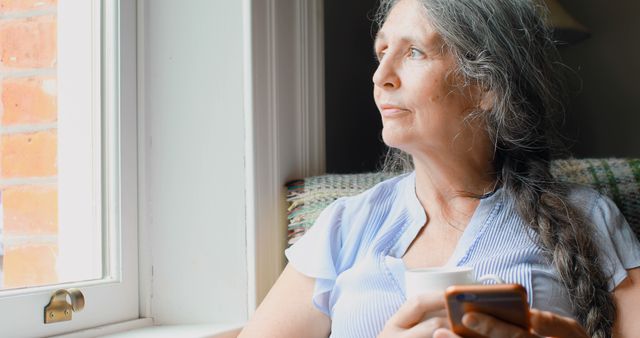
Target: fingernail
[(470, 321)]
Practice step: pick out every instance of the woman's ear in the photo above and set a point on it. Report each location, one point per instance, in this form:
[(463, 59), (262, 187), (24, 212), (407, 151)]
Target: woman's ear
[(482, 98), (487, 99)]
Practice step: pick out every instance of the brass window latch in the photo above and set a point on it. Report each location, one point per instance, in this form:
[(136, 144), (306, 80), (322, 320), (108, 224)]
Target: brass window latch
[(59, 309)]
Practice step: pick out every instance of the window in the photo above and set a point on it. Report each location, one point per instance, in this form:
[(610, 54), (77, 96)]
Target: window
[(28, 150), (206, 87), (68, 161)]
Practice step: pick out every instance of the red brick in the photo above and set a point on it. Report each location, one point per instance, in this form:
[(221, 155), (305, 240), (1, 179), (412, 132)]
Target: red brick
[(30, 210), (25, 5), (30, 265), (29, 154), (28, 43), (29, 101)]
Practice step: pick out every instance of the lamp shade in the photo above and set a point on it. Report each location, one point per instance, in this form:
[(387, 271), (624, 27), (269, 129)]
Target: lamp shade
[(566, 29)]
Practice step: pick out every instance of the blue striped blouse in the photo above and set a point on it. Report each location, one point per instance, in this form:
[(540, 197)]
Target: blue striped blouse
[(354, 251)]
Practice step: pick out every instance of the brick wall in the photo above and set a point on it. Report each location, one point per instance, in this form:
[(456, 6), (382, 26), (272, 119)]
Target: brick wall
[(28, 142)]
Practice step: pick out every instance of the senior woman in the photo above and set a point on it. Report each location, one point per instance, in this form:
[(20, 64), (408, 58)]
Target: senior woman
[(468, 89)]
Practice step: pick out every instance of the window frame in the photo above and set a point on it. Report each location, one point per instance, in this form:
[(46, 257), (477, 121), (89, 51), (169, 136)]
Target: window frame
[(284, 79), (24, 308)]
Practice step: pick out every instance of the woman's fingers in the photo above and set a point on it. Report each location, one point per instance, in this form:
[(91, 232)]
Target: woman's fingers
[(549, 324), (417, 318), (414, 310), (492, 327), (444, 333), (542, 323), (428, 327), (425, 328)]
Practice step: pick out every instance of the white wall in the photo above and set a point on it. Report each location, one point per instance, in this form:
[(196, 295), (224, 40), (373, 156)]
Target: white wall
[(193, 144)]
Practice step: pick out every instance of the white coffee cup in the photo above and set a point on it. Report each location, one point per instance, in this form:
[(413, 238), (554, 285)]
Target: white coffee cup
[(427, 280)]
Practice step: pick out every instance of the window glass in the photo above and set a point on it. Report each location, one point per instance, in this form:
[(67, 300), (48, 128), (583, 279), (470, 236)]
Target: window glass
[(50, 228)]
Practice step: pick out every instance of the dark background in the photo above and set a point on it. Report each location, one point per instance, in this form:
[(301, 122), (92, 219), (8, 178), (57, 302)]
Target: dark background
[(602, 118), (353, 125)]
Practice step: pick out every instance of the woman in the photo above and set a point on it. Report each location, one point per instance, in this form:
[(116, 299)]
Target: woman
[(468, 89)]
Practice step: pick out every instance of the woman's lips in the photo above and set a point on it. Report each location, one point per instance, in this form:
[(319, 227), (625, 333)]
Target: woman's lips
[(388, 110)]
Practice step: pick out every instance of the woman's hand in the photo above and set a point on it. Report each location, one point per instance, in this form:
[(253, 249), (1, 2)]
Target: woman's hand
[(420, 317), (543, 323)]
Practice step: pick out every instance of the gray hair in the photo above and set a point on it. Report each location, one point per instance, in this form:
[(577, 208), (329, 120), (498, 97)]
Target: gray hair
[(504, 47)]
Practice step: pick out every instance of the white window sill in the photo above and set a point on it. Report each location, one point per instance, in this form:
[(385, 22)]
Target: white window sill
[(143, 328)]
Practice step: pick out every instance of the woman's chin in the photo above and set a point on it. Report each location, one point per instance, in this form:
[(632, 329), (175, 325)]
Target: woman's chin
[(395, 138)]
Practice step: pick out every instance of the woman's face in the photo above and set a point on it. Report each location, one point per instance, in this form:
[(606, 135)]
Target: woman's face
[(422, 104)]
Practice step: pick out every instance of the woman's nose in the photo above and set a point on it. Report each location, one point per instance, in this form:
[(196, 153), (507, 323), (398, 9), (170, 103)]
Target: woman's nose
[(385, 75)]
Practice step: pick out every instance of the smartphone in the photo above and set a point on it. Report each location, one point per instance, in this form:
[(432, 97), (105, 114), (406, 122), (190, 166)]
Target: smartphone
[(507, 302)]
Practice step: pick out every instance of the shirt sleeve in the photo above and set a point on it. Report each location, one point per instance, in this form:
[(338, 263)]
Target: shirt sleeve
[(316, 254), (619, 246)]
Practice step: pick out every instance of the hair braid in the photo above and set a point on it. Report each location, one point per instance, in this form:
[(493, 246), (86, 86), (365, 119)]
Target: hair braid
[(565, 234)]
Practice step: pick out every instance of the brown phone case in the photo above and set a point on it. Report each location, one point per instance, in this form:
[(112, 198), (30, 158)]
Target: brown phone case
[(507, 302)]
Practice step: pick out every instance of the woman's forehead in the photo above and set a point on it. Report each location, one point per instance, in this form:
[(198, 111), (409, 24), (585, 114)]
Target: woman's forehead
[(407, 21)]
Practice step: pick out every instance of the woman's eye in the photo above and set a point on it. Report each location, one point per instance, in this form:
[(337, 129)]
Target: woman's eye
[(380, 55), (415, 53)]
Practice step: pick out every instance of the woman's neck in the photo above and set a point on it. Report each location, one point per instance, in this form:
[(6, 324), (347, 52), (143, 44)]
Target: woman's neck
[(445, 182)]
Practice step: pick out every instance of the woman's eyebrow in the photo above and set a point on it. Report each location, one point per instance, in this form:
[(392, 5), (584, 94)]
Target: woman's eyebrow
[(433, 42), (405, 38)]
